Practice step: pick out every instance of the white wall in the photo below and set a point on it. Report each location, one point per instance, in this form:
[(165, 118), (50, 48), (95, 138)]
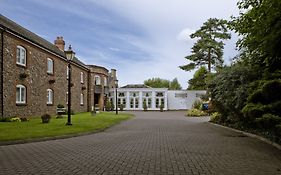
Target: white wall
[(181, 99)]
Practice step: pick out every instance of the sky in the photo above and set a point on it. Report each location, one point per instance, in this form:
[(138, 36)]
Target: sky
[(141, 39)]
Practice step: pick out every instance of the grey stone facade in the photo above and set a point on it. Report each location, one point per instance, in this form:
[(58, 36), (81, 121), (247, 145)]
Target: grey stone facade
[(36, 80)]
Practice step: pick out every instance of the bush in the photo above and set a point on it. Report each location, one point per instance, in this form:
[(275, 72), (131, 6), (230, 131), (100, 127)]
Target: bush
[(197, 104), (121, 107), (5, 119), (215, 117), (15, 119), (162, 107), (268, 121), (144, 106), (108, 105), (23, 119), (112, 106), (46, 118), (195, 113)]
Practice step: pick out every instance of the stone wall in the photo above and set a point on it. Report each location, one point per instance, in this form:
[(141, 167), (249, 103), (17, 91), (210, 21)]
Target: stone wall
[(38, 81), (1, 92)]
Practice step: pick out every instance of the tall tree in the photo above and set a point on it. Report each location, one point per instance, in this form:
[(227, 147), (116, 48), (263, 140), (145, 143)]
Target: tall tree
[(157, 83), (175, 85), (259, 27), (208, 49), (163, 83), (198, 82)]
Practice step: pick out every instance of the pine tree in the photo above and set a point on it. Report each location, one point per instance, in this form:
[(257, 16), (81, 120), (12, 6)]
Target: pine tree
[(208, 50)]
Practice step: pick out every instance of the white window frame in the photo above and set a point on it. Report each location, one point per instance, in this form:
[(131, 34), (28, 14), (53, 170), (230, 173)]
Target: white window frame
[(67, 72), (105, 81), (82, 77), (82, 99), (21, 56), (97, 80), (50, 68), (21, 97), (50, 96)]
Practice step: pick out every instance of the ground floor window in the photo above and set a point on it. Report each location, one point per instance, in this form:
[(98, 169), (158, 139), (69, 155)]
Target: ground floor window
[(21, 94), (50, 96), (159, 101)]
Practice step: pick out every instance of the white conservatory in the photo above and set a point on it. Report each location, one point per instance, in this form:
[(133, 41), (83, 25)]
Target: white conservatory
[(132, 97)]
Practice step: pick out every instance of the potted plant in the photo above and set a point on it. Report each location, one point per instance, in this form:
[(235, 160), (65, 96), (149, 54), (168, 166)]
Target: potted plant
[(144, 106), (46, 118), (162, 107), (121, 106)]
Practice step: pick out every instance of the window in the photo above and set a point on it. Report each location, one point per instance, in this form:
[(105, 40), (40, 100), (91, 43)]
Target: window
[(105, 81), (50, 96), (21, 94), (159, 94), (21, 56), (66, 98), (97, 80), (50, 66), (67, 72), (82, 77), (82, 99)]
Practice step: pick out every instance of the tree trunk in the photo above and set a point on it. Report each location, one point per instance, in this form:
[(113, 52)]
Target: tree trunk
[(209, 60)]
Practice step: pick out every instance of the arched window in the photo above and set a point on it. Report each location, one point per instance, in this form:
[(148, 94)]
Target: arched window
[(50, 66), (21, 94), (21, 56), (82, 99), (50, 96), (97, 80)]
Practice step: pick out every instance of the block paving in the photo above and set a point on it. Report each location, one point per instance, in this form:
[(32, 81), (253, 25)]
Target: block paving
[(164, 143)]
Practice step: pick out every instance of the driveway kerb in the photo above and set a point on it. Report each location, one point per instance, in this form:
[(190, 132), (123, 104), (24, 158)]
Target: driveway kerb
[(276, 145)]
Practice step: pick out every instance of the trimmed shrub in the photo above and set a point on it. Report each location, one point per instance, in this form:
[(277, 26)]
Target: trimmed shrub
[(195, 113), (197, 104), (121, 107), (215, 117), (5, 119), (162, 107), (144, 106), (268, 121), (46, 118), (15, 119), (108, 105)]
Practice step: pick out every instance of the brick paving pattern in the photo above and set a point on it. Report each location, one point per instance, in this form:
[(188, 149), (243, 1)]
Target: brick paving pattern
[(151, 143)]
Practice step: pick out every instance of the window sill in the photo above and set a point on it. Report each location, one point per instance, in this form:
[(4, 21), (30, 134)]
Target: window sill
[(21, 65), (21, 104)]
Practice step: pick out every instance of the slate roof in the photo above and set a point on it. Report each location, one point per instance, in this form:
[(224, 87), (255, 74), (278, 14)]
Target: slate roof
[(136, 86), (21, 31)]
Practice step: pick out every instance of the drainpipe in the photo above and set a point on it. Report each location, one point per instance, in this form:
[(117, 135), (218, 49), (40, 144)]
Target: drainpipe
[(2, 66)]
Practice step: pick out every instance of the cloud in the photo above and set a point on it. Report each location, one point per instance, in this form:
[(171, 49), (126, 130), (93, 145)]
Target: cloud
[(184, 35)]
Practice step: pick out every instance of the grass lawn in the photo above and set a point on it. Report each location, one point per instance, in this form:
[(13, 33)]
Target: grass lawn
[(83, 122)]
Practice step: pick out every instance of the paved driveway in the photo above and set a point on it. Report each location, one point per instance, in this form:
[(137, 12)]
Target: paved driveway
[(151, 143)]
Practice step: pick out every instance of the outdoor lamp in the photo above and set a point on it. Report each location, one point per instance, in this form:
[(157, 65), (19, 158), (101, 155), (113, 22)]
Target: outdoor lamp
[(116, 101), (70, 54)]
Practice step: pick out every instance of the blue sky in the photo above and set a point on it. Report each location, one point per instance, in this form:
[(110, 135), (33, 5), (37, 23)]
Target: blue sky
[(140, 38)]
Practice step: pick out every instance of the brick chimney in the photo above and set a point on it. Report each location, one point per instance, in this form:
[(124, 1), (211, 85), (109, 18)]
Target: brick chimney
[(59, 42)]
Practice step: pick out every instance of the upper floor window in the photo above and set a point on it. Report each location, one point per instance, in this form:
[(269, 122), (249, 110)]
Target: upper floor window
[(50, 66), (21, 56), (50, 96), (82, 99), (105, 81), (82, 77), (67, 72), (97, 80), (21, 94)]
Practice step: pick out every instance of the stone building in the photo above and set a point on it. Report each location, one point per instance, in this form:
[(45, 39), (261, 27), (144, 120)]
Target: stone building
[(34, 75)]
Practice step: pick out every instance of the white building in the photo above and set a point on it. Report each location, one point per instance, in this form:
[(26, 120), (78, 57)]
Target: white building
[(133, 96)]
